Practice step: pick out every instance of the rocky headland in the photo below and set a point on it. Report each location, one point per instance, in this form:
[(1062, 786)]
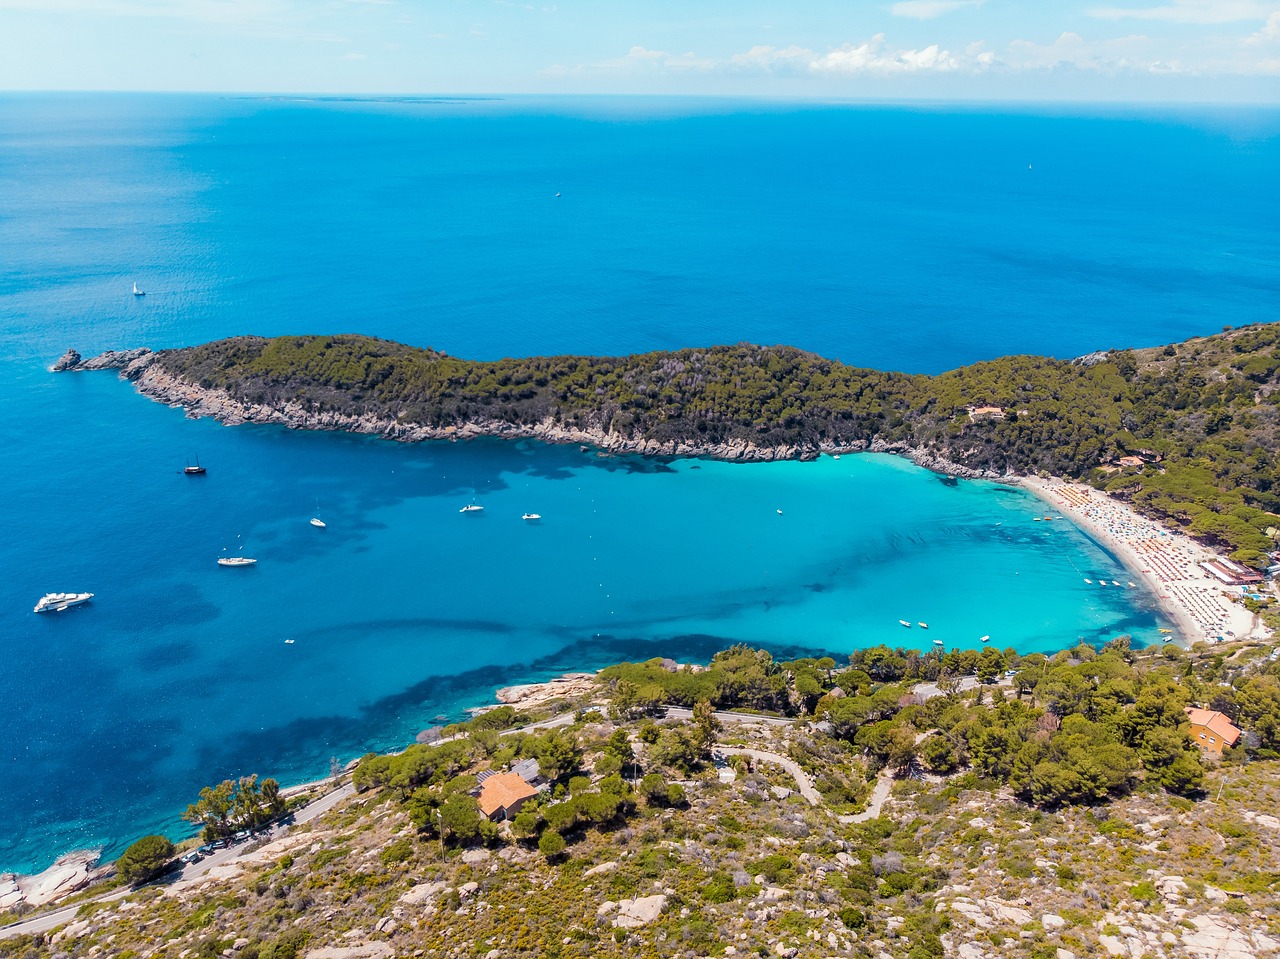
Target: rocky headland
[(153, 380)]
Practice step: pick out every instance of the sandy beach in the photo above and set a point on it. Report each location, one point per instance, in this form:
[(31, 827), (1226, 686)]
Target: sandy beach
[(1200, 608)]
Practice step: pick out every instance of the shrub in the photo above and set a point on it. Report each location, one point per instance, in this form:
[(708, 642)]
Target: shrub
[(145, 859), (399, 851)]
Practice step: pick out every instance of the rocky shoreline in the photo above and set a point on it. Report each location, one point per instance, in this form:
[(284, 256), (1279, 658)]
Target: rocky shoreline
[(68, 874), (157, 383)]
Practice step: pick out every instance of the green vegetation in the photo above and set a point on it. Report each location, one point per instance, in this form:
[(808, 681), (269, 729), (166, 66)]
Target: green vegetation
[(145, 859), (1035, 816), (1198, 418), (231, 806)]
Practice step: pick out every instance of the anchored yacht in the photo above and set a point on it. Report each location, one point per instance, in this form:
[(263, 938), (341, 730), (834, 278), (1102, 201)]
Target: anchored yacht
[(57, 602)]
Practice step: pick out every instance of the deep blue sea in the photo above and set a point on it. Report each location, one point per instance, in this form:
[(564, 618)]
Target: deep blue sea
[(899, 237)]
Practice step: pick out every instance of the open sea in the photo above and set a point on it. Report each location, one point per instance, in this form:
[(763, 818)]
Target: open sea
[(908, 238)]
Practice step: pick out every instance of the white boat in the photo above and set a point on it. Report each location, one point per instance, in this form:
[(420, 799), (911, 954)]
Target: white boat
[(531, 516), (317, 522), (57, 602), (923, 625), (938, 642), (1089, 581), (1115, 582), (472, 508), (984, 639), (237, 560), (1133, 585), (1102, 582), (138, 292), (903, 622), (779, 512), (288, 642)]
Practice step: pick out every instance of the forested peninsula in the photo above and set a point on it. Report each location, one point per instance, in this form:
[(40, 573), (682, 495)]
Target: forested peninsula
[(1186, 433)]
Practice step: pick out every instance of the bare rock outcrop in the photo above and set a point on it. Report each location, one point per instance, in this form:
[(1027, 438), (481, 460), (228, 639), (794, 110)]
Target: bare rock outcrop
[(71, 361)]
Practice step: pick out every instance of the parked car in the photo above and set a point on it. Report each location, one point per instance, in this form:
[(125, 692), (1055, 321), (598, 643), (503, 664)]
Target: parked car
[(192, 857), (241, 836)]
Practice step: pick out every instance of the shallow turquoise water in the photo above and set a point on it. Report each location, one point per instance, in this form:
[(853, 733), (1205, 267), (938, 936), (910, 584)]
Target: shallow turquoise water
[(843, 230)]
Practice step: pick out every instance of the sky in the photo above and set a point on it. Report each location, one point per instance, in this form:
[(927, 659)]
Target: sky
[(1126, 50)]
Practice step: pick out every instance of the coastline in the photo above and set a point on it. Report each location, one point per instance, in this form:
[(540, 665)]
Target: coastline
[(1164, 559), (149, 378), (1083, 506)]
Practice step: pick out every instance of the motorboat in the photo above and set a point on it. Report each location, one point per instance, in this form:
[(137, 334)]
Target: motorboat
[(938, 642), (903, 622), (984, 639), (57, 602), (923, 625), (532, 517)]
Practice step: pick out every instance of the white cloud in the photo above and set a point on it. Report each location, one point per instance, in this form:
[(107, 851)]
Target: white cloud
[(1117, 55), (1191, 11), (1270, 32), (873, 57), (929, 9)]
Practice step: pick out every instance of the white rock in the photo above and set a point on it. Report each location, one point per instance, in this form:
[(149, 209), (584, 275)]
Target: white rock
[(601, 869), (1065, 954), (1052, 922), (423, 893), (607, 907), (467, 889), (1113, 946), (633, 913)]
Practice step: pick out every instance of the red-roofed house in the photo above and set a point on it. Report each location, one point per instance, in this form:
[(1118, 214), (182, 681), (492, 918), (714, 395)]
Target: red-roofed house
[(1211, 730), (501, 796)]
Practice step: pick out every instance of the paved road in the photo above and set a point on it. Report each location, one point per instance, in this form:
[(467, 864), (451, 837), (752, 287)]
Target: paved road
[(51, 920), (679, 712), (803, 782)]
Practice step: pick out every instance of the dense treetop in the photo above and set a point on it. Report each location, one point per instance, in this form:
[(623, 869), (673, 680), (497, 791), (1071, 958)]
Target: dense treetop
[(1202, 414)]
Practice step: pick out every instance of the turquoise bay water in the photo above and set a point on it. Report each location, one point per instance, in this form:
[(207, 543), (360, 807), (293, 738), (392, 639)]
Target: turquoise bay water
[(834, 228)]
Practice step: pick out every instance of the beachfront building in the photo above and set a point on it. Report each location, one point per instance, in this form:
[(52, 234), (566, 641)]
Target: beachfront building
[(1230, 573), (502, 795), (1211, 730)]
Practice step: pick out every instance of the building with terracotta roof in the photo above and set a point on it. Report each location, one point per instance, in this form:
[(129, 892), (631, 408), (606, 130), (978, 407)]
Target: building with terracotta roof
[(1211, 730), (501, 796)]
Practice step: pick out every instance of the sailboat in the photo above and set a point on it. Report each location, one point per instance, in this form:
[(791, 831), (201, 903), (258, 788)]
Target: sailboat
[(238, 560), (316, 521), (196, 470), (138, 292)]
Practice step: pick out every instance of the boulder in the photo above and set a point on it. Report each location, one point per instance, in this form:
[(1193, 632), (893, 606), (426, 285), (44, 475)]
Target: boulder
[(601, 869), (633, 913), (67, 361)]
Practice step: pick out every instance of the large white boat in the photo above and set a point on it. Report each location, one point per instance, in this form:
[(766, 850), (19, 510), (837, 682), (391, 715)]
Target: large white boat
[(237, 560), (317, 522), (532, 516), (472, 508), (903, 622), (938, 642), (57, 602), (138, 292)]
